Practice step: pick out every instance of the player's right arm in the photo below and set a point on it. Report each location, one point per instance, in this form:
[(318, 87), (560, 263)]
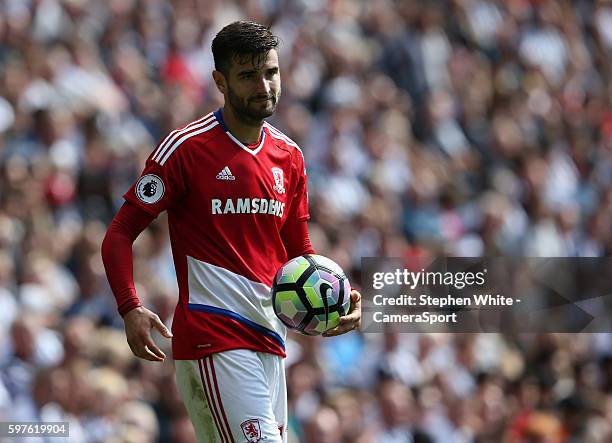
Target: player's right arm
[(161, 185), (127, 225)]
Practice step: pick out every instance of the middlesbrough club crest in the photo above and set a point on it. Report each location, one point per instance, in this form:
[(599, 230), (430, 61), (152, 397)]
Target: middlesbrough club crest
[(251, 430), (278, 180)]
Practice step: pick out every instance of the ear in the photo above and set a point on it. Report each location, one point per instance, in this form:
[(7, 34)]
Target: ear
[(220, 81)]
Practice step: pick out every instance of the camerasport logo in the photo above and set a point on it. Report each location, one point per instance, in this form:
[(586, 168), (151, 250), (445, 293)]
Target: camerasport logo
[(251, 430), (150, 189)]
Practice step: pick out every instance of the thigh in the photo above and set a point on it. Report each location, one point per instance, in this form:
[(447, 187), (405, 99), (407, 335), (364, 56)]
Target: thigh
[(189, 384), (243, 396), (274, 367)]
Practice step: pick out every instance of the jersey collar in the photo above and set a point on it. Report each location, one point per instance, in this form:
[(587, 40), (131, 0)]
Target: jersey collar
[(253, 151)]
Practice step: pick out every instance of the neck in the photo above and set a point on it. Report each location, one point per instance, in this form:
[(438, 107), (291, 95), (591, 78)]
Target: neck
[(247, 132)]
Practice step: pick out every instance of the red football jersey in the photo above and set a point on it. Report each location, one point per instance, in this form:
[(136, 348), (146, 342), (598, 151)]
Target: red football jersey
[(226, 205)]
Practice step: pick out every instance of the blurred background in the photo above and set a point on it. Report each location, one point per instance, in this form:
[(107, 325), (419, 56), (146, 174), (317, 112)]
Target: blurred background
[(457, 127)]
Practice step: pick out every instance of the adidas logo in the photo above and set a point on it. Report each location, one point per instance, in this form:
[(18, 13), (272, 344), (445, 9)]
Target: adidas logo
[(225, 174)]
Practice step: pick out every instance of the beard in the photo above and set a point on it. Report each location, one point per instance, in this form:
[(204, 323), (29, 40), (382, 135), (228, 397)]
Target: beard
[(252, 112)]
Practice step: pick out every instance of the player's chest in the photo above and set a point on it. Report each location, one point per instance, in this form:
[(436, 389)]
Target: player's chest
[(242, 183)]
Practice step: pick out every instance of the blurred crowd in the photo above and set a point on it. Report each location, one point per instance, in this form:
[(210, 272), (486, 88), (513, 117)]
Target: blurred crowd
[(442, 127)]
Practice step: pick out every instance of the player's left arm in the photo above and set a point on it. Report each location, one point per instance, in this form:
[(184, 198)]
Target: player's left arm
[(295, 238), (297, 242)]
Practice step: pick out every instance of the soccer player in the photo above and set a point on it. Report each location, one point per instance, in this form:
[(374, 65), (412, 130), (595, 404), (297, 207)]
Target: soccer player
[(234, 188)]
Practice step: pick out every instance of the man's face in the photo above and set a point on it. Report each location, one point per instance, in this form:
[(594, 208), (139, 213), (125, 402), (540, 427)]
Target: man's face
[(253, 91)]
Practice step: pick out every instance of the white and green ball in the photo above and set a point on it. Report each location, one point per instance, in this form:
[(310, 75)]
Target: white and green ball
[(310, 293)]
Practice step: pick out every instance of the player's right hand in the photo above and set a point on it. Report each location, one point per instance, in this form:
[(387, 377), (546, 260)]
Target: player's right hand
[(138, 325)]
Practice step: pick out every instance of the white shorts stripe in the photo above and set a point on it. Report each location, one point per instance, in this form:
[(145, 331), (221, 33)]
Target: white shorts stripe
[(209, 399), (185, 137), (177, 132)]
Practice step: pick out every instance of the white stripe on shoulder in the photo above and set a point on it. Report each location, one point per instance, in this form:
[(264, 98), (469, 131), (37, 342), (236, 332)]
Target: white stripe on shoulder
[(178, 132), (176, 144), (279, 135)]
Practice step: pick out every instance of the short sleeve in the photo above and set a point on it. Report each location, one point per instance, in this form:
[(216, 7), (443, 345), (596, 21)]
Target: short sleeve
[(299, 203), (159, 186)]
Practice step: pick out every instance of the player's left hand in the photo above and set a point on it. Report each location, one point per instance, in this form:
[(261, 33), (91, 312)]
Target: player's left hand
[(350, 321)]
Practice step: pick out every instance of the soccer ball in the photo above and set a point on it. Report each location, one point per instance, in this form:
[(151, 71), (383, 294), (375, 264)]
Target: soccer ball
[(310, 293)]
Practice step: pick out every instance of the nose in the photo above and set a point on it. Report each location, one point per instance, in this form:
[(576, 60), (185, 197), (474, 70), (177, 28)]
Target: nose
[(263, 87)]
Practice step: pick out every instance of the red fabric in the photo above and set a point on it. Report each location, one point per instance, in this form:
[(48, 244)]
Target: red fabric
[(235, 213), (205, 216), (227, 205), (207, 333), (296, 240), (127, 225)]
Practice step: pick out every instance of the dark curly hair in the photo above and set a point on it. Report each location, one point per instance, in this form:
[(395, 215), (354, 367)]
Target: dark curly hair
[(240, 40)]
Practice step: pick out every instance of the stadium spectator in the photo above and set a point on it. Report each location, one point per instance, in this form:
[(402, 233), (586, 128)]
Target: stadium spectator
[(457, 127)]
